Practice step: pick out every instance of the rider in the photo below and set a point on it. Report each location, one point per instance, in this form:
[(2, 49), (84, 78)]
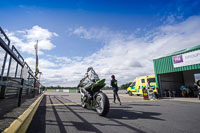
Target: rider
[(90, 78)]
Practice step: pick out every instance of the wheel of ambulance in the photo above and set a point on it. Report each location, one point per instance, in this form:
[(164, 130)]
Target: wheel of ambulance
[(130, 93)]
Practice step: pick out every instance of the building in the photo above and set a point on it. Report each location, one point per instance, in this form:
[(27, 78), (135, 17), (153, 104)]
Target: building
[(177, 69)]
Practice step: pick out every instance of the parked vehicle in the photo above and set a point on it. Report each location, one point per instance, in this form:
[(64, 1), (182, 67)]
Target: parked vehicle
[(139, 83)]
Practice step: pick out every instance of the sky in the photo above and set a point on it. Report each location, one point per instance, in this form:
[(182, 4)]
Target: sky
[(120, 37)]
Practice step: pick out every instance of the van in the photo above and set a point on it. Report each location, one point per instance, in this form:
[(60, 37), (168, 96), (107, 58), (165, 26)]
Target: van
[(139, 83)]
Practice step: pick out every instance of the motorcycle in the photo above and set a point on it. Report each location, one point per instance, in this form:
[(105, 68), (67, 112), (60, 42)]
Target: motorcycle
[(93, 97)]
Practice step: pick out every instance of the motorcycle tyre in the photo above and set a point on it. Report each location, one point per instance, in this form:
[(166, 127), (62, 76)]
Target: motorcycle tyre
[(83, 104), (106, 104)]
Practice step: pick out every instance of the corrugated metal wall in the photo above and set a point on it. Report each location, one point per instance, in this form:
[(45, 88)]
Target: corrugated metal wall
[(165, 65)]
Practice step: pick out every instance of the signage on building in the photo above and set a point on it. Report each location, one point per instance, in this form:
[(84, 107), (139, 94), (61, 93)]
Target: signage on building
[(25, 73), (186, 59)]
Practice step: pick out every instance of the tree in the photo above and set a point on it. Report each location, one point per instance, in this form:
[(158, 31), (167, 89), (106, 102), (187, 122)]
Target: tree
[(125, 86)]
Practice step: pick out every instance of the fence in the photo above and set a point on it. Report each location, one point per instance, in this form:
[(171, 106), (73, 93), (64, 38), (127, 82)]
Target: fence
[(12, 65)]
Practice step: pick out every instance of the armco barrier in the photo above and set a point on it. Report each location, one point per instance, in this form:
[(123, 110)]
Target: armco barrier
[(63, 90), (21, 124), (16, 77), (72, 91), (76, 91)]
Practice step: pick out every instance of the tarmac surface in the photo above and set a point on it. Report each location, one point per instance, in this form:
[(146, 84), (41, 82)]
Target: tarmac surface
[(9, 110), (62, 113)]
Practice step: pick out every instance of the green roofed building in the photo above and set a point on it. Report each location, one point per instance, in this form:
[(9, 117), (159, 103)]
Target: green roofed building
[(177, 69)]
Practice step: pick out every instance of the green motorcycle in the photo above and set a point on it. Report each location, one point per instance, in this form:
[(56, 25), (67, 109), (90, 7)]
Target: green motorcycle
[(93, 97)]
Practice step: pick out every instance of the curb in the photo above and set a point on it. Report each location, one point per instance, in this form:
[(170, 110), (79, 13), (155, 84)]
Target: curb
[(183, 100), (20, 125)]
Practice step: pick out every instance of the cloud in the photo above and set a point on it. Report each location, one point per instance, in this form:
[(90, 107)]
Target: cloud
[(123, 55), (26, 39), (103, 34), (38, 33), (2, 54), (42, 62), (62, 60), (128, 57), (186, 27)]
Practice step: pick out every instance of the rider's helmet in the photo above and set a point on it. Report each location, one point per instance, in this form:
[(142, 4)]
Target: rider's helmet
[(89, 68), (92, 75)]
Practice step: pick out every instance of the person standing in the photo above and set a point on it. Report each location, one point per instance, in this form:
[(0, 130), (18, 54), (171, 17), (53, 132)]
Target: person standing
[(155, 93), (147, 85), (198, 87), (113, 83)]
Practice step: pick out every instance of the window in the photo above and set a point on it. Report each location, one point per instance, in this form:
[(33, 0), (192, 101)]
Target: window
[(151, 80), (142, 80), (197, 76), (133, 84)]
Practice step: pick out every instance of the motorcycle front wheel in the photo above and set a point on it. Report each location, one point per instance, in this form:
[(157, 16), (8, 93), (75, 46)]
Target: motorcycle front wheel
[(83, 104), (102, 104)]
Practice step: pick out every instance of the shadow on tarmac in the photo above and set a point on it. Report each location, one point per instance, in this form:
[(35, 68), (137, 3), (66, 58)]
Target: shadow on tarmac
[(82, 126), (116, 114), (143, 105), (39, 125)]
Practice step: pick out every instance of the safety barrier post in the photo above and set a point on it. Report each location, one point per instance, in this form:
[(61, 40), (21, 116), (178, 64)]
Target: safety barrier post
[(34, 87), (20, 93), (2, 92)]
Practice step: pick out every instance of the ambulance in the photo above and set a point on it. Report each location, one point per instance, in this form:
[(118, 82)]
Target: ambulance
[(137, 86)]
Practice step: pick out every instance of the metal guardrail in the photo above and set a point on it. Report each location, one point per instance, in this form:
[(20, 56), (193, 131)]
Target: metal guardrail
[(12, 87), (15, 86)]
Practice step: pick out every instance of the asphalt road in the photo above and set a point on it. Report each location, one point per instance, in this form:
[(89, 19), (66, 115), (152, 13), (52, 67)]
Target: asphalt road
[(61, 112)]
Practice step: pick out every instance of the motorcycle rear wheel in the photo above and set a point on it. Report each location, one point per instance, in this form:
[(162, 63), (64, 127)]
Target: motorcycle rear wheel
[(103, 104)]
